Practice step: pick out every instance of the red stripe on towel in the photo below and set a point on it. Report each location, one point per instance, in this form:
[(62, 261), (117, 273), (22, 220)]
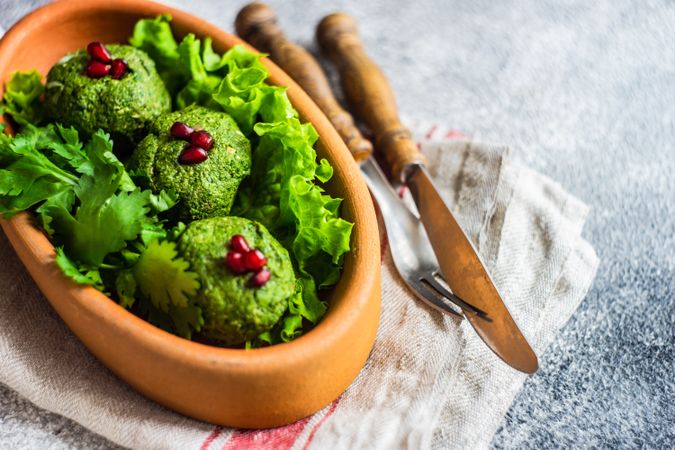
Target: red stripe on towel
[(431, 131), (281, 438), (320, 422), (454, 134), (211, 437)]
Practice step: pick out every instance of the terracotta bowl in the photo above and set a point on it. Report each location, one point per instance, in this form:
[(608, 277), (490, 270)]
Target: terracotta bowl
[(238, 388)]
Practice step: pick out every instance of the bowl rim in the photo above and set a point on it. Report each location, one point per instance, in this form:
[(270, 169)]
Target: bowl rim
[(364, 251)]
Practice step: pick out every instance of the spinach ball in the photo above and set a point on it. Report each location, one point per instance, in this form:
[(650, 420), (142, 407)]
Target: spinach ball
[(207, 188), (235, 308), (122, 107)]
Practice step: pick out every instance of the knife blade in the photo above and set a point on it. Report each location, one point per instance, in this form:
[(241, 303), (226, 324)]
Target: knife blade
[(465, 273), (368, 92)]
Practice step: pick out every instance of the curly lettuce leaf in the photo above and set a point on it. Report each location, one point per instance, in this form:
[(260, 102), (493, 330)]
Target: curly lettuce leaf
[(283, 176), (184, 67), (21, 99), (154, 36), (201, 84), (283, 191)]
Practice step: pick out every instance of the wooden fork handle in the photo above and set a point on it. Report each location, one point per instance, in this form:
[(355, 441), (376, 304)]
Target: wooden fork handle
[(257, 24), (368, 91)]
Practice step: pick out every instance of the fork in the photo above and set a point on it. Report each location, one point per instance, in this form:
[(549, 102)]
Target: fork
[(411, 251), (410, 247)]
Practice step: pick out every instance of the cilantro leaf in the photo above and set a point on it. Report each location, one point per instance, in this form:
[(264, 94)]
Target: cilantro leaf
[(186, 319), (126, 288), (164, 277), (100, 225), (105, 218), (107, 229), (28, 176), (77, 273)]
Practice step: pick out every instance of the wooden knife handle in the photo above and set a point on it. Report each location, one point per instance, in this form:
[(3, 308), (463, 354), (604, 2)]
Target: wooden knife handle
[(257, 24), (368, 91)]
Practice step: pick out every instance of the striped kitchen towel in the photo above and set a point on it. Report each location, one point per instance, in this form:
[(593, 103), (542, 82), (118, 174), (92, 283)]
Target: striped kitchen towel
[(430, 382)]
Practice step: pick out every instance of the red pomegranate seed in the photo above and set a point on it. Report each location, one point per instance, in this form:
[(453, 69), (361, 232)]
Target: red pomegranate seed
[(235, 262), (192, 155), (202, 139), (98, 52), (254, 260), (260, 278), (181, 131), (96, 69), (238, 244), (118, 68)]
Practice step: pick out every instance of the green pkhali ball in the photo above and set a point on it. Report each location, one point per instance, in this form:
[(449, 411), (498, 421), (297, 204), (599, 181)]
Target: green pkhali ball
[(206, 189), (123, 108), (234, 309)]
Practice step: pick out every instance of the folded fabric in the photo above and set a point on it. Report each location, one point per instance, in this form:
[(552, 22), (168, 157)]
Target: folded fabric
[(430, 382)]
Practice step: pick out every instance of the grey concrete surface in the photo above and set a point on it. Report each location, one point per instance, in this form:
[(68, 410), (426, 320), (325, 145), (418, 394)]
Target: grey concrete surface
[(583, 92)]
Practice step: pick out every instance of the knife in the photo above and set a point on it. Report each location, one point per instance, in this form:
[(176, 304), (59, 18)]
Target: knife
[(369, 94)]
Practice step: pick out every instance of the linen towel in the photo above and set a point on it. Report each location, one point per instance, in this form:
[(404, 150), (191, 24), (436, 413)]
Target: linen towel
[(430, 382)]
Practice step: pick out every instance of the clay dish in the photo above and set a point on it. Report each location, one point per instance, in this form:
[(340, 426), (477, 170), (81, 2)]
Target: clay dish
[(231, 387)]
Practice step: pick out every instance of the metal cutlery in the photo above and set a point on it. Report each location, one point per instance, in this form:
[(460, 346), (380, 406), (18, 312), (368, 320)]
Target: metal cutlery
[(369, 94)]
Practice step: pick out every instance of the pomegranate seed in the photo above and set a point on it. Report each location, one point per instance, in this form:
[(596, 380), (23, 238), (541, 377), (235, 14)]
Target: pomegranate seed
[(192, 155), (254, 260), (202, 139), (96, 69), (238, 244), (118, 68), (98, 52), (235, 262), (181, 131), (260, 278)]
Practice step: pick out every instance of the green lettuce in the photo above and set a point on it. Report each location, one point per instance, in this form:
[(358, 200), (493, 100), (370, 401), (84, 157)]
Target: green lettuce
[(284, 189), (21, 99)]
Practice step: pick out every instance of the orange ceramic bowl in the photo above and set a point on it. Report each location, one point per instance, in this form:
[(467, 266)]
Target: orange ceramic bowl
[(238, 388)]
